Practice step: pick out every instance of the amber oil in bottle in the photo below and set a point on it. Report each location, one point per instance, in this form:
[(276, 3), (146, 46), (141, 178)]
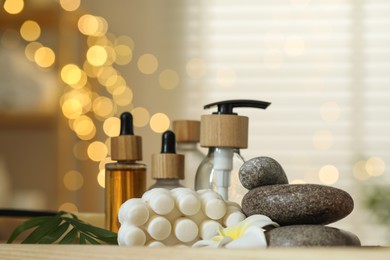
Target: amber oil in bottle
[(125, 178)]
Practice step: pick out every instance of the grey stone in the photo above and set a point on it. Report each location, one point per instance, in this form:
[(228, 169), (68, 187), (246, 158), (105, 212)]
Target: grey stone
[(294, 204), (310, 235), (261, 171)]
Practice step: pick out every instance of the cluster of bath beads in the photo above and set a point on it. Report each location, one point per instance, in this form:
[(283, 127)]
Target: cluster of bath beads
[(177, 217)]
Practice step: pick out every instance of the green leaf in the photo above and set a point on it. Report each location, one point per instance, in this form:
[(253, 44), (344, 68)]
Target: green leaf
[(91, 240), (30, 223), (41, 231), (50, 229), (82, 240), (70, 237), (54, 236), (96, 232)]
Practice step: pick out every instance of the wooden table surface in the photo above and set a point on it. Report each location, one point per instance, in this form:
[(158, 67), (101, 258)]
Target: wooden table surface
[(17, 251)]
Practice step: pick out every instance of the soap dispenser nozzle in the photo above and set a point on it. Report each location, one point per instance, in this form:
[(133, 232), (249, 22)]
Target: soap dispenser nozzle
[(224, 132)]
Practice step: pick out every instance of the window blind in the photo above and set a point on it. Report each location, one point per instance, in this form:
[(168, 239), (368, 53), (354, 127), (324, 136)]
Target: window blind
[(325, 67)]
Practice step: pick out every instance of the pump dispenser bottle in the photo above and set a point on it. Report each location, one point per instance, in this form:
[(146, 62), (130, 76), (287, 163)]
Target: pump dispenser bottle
[(187, 140), (167, 166), (224, 133), (125, 178)]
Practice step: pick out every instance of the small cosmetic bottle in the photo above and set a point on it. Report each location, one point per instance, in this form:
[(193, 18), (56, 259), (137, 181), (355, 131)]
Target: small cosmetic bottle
[(187, 140), (125, 178), (167, 166)]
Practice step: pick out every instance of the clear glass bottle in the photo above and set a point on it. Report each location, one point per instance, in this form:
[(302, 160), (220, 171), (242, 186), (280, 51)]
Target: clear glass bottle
[(206, 175), (187, 143), (224, 133), (125, 178), (167, 166)]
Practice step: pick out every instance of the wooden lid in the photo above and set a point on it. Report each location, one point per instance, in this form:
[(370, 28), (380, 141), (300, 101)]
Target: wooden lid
[(224, 131), (168, 166), (126, 148), (187, 130)]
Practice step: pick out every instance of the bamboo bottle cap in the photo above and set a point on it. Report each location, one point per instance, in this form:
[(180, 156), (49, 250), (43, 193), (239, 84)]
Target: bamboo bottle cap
[(187, 130), (126, 146), (225, 128), (168, 164), (224, 131)]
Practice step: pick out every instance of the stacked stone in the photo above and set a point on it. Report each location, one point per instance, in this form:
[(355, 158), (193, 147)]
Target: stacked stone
[(301, 210)]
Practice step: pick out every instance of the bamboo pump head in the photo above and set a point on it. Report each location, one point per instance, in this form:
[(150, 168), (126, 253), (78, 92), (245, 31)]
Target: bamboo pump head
[(168, 164), (225, 128), (126, 146)]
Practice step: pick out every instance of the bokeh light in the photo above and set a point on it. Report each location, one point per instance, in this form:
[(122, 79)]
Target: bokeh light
[(226, 77), (44, 57), (330, 111), (92, 25), (73, 180), (69, 207), (103, 107), (71, 74), (140, 116), (196, 68), (102, 163), (124, 54), (111, 126), (294, 46), (84, 126), (72, 108), (97, 151), (80, 150), (30, 50), (97, 55), (101, 178), (13, 6), (375, 166), (159, 122), (328, 174), (359, 171), (122, 95), (30, 30), (70, 5), (168, 79), (107, 76), (147, 63), (323, 140), (125, 40), (108, 145)]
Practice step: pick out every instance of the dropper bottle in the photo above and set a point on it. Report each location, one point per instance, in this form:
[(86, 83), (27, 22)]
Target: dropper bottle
[(125, 178), (167, 166), (224, 133), (187, 141)]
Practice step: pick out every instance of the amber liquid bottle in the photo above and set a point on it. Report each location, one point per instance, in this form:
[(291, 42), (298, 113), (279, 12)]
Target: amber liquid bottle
[(125, 179)]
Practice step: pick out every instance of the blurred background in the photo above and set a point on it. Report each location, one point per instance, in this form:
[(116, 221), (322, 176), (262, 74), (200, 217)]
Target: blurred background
[(68, 68)]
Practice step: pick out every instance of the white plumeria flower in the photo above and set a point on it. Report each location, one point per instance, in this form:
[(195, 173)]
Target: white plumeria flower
[(249, 233)]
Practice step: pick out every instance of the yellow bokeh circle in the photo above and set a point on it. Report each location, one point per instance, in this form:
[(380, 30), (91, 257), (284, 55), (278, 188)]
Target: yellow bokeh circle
[(168, 79), (111, 126), (140, 116), (73, 180), (159, 122), (147, 63), (44, 57), (30, 30), (97, 151)]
